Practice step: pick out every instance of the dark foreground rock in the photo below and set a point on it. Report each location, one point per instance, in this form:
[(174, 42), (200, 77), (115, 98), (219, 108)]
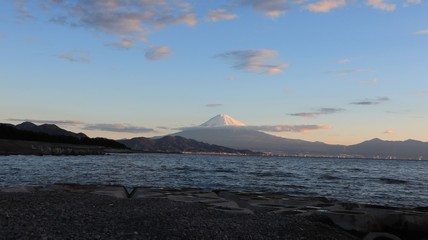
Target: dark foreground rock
[(81, 215)]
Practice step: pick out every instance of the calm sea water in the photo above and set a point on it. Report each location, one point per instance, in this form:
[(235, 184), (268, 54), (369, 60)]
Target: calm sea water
[(393, 183)]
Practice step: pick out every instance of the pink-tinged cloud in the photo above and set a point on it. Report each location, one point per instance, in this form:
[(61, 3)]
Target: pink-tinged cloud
[(213, 105), (271, 8), (75, 56), (344, 61), (157, 52), (290, 128), (422, 92), (422, 32), (325, 5), (131, 19), (220, 14), (389, 131), (256, 60), (413, 2), (22, 11), (124, 43), (381, 5)]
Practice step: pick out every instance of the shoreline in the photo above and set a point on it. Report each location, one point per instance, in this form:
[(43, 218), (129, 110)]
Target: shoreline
[(334, 219)]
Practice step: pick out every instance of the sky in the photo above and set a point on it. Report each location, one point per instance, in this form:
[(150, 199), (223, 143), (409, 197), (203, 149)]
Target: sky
[(336, 71)]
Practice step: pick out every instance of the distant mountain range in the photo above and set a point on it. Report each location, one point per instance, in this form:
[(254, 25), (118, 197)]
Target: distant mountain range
[(223, 134), (222, 130)]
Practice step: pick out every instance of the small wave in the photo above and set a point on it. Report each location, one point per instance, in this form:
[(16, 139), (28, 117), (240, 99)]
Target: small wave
[(328, 177), (223, 170), (392, 181), (273, 174)]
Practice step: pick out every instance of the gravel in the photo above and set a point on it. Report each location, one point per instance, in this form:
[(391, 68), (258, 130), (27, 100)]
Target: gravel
[(64, 215)]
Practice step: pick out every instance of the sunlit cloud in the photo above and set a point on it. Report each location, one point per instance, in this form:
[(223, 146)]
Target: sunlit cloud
[(259, 60), (321, 111), (271, 8), (381, 5), (371, 102), (213, 105), (347, 72), (122, 128), (344, 61), (123, 43), (39, 121), (157, 52), (422, 32), (325, 5), (369, 82), (290, 128), (220, 14), (21, 9), (389, 131), (231, 78), (133, 20), (413, 2), (422, 92), (75, 56)]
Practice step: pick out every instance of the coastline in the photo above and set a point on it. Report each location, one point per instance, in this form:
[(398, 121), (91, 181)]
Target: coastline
[(148, 213)]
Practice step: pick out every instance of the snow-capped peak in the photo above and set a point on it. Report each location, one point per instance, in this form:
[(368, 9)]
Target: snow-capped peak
[(222, 120)]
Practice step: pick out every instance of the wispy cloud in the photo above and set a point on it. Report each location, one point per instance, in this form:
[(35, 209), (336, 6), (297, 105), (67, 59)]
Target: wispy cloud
[(290, 128), (347, 72), (344, 61), (321, 111), (369, 82), (231, 78), (75, 56), (133, 20), (381, 5), (325, 5), (123, 43), (2, 36), (389, 131), (123, 128), (412, 2), (157, 52), (422, 92), (271, 8), (422, 32), (22, 11), (39, 121), (256, 60), (220, 14), (371, 102), (213, 105)]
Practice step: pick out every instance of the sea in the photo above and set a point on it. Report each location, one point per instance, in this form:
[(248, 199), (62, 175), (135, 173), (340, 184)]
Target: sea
[(396, 183)]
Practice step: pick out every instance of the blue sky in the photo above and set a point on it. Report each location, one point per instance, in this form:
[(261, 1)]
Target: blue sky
[(336, 71)]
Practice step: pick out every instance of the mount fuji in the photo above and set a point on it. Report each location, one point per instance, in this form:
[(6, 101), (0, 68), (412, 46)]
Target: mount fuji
[(226, 131), (222, 120)]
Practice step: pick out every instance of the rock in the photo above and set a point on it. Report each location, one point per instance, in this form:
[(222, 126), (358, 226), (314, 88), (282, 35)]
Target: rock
[(381, 236)]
